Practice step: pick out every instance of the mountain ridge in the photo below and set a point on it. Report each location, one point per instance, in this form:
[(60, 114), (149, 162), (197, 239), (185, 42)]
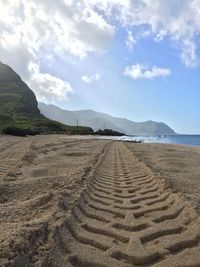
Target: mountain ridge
[(19, 108), (100, 120)]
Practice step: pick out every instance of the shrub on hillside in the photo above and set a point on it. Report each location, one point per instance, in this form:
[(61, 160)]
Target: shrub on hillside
[(83, 130), (16, 131), (108, 132), (49, 126)]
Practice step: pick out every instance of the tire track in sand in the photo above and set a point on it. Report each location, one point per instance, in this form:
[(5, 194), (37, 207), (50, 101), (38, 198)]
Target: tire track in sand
[(126, 217), (12, 154)]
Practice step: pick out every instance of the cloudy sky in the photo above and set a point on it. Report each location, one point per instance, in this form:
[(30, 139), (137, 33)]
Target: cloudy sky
[(133, 58)]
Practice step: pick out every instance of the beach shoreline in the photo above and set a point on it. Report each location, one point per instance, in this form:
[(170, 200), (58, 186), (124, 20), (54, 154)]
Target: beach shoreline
[(43, 177)]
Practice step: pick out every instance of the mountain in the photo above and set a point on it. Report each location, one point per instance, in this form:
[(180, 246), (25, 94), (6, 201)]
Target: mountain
[(97, 120), (19, 107), (15, 96)]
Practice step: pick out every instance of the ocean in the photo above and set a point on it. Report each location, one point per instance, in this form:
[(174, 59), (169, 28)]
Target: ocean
[(183, 139)]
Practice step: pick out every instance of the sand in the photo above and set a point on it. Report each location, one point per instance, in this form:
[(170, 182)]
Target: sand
[(179, 165), (40, 179), (86, 202)]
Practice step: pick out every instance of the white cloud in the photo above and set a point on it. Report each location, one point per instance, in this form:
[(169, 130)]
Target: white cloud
[(48, 86), (30, 30), (189, 54), (139, 71), (65, 26), (89, 79), (130, 41), (178, 20), (161, 35)]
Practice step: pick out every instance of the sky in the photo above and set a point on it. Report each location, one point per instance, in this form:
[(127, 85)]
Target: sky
[(136, 59)]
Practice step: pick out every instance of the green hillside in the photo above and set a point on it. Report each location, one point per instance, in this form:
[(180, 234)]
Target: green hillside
[(19, 107)]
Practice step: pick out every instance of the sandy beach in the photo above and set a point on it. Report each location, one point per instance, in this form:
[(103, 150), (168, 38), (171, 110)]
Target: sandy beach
[(71, 201), (179, 165)]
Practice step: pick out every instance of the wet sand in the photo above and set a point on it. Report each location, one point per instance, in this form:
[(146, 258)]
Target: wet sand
[(66, 201)]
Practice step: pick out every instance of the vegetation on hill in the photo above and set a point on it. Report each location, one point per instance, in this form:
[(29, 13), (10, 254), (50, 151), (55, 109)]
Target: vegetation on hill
[(19, 113), (108, 132), (16, 98)]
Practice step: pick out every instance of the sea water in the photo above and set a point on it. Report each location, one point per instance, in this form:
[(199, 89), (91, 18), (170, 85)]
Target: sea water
[(166, 139), (163, 139)]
